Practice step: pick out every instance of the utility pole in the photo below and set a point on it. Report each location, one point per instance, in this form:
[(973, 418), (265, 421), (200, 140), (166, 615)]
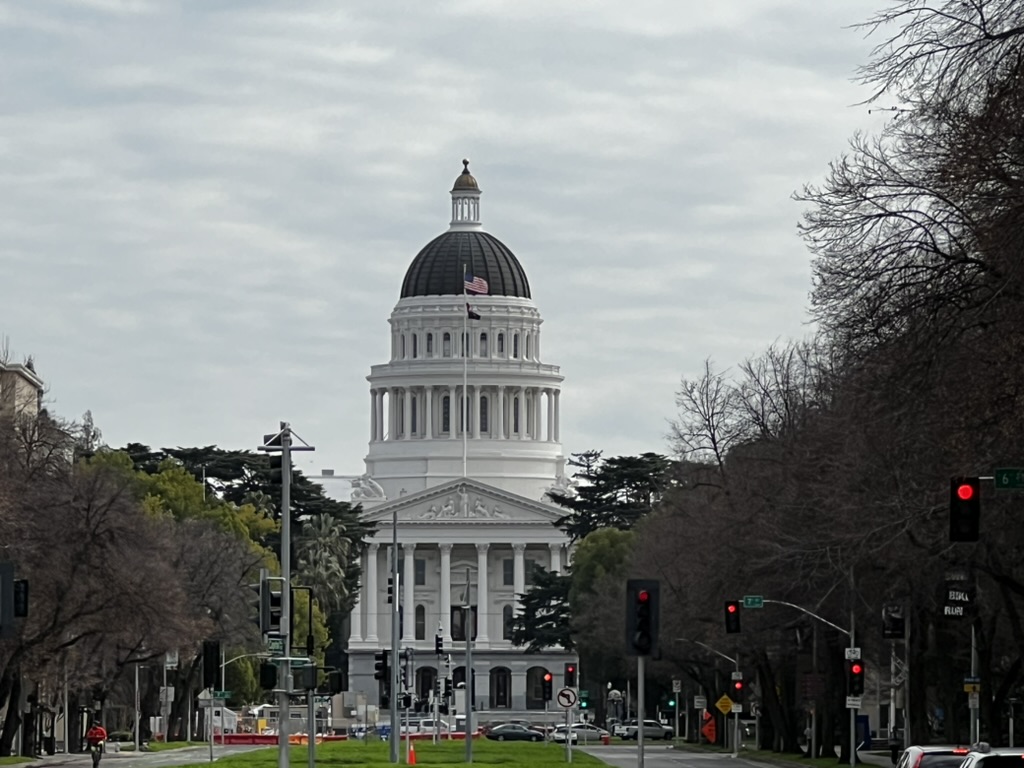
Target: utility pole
[(281, 442), (395, 640), (469, 625)]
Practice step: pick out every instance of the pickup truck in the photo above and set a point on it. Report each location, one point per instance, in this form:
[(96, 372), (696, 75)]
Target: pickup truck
[(652, 730)]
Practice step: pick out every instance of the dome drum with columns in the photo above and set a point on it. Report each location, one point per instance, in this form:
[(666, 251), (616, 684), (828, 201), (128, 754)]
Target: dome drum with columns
[(468, 486)]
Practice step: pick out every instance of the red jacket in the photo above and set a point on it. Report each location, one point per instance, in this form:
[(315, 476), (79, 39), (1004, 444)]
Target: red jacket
[(96, 734)]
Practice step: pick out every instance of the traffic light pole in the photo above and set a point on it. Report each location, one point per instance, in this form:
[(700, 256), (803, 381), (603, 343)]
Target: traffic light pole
[(640, 674), (469, 625)]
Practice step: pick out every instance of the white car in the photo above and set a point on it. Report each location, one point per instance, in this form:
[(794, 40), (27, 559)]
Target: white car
[(561, 733), (589, 733), (652, 730), (984, 756)]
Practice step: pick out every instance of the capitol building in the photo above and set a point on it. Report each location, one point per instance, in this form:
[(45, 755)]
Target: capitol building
[(463, 427)]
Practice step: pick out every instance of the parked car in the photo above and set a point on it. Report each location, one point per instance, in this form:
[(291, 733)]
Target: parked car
[(620, 728), (652, 730), (589, 733), (425, 725), (561, 733), (513, 732)]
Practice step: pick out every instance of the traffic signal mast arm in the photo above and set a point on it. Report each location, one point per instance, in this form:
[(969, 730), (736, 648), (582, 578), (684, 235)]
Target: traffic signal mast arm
[(813, 615)]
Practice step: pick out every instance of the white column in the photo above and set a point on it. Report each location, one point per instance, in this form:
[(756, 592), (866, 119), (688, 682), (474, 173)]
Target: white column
[(372, 596), (483, 603), (536, 414), (355, 634), (476, 411), (558, 414), (380, 414), (517, 418), (556, 557), (446, 592), (518, 572), (551, 414), (373, 415), (499, 413), (409, 587), (393, 413), (453, 414), (407, 415), (428, 432)]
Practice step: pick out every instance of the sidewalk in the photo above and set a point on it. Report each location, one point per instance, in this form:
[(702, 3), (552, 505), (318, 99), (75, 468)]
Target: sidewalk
[(790, 759)]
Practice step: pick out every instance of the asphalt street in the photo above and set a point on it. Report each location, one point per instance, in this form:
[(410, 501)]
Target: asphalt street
[(661, 756)]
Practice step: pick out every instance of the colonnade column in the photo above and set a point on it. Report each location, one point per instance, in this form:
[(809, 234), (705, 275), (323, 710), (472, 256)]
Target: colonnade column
[(476, 411), (558, 414), (371, 593), (355, 634), (518, 574), (446, 592), (499, 412), (551, 414), (453, 412), (373, 415), (536, 414), (483, 605), (556, 557), (407, 415), (409, 586), (393, 413), (380, 414), (517, 418), (428, 432)]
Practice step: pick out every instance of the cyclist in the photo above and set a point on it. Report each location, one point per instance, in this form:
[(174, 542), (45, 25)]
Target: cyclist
[(95, 737)]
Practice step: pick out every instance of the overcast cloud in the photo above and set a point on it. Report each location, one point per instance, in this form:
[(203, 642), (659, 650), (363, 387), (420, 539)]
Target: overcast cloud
[(207, 206)]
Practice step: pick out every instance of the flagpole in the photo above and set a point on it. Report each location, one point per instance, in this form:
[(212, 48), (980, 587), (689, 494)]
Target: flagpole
[(465, 371)]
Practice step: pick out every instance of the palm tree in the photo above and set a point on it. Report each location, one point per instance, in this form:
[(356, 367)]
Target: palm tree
[(322, 550)]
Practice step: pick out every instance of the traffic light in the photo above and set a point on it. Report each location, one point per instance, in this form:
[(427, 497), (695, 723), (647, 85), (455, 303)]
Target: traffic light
[(336, 682), (739, 690), (584, 702), (570, 675), (305, 677), (447, 687), (268, 676), (964, 509), (211, 664), (276, 458), (732, 616), (642, 617), (439, 645), (270, 608), (20, 598), (894, 625), (855, 677), (381, 668), (406, 701), (549, 692), (391, 591)]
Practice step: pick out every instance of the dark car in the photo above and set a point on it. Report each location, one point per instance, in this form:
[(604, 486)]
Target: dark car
[(513, 732)]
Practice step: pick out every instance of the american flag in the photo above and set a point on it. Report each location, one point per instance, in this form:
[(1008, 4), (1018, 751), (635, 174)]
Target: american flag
[(475, 284)]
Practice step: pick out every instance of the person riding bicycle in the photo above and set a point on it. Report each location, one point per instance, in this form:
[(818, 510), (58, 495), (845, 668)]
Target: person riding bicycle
[(95, 738)]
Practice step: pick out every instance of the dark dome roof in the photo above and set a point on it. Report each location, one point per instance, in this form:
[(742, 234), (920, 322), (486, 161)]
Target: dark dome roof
[(437, 269)]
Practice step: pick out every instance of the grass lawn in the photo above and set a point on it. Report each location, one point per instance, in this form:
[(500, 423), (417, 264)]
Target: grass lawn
[(447, 753), (14, 760)]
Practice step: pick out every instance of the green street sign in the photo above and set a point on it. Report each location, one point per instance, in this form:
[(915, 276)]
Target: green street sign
[(222, 694), (1009, 479), (753, 601), (275, 645)]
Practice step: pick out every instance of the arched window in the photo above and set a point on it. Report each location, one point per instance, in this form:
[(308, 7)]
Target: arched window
[(403, 346), (414, 422), (446, 345), (416, 346), (484, 427), (421, 622), (501, 345), (515, 415), (527, 355), (483, 345), (467, 350), (515, 345), (501, 685), (506, 623), (446, 414), (430, 345), (426, 678)]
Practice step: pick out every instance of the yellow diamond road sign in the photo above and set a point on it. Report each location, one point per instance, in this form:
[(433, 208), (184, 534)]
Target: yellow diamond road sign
[(724, 705)]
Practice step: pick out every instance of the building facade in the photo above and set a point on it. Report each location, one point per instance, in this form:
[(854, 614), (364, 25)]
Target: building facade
[(463, 449)]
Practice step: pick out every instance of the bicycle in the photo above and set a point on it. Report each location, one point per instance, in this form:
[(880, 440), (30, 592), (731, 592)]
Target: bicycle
[(96, 751)]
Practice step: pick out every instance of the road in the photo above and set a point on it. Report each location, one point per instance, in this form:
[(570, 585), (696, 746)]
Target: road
[(661, 756), (163, 759)]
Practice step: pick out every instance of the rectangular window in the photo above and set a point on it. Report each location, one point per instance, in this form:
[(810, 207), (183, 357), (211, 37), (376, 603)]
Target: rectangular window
[(420, 576), (508, 572), (446, 414), (458, 623), (530, 565)]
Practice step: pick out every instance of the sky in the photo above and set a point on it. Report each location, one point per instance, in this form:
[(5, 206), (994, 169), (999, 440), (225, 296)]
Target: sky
[(207, 206)]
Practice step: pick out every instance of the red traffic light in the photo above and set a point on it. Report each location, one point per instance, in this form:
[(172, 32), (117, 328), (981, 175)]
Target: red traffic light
[(570, 668), (856, 669), (732, 607), (738, 685), (547, 677), (965, 492), (643, 596)]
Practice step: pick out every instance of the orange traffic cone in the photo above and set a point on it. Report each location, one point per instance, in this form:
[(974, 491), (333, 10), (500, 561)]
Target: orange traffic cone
[(412, 753)]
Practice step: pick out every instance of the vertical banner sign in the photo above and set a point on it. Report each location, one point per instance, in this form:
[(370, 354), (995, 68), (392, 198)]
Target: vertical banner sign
[(959, 594)]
